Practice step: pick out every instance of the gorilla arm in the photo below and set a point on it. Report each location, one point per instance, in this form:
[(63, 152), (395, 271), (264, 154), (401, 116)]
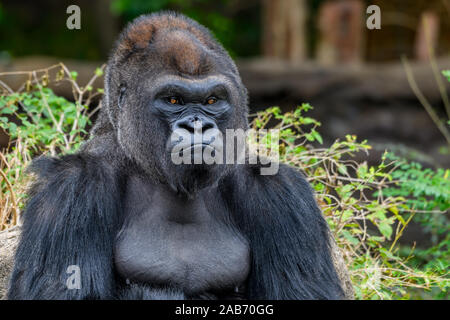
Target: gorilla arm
[(289, 238), (70, 219)]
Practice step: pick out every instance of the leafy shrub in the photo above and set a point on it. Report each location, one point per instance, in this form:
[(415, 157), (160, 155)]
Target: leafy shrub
[(367, 207), (428, 193), (39, 122)]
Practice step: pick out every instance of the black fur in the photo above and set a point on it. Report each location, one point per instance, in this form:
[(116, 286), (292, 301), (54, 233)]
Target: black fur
[(288, 236), (145, 292), (77, 204), (70, 219)]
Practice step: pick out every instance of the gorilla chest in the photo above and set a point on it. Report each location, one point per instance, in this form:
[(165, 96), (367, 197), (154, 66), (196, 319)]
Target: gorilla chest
[(166, 240)]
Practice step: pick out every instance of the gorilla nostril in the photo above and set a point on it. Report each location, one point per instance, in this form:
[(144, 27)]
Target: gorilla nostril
[(195, 124), (207, 126), (186, 126)]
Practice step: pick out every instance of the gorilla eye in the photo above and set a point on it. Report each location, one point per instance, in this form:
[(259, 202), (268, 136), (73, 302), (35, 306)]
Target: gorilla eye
[(173, 100), (211, 100)]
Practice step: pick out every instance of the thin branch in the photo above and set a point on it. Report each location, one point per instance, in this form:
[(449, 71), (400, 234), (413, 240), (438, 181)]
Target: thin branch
[(434, 67), (423, 100), (13, 197)]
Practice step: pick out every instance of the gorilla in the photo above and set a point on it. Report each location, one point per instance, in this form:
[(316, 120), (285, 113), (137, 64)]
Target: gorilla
[(129, 223)]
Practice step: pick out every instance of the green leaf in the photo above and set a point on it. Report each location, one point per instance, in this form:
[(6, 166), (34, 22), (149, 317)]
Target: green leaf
[(74, 75), (342, 169), (98, 72), (385, 229), (349, 237), (317, 136), (446, 74)]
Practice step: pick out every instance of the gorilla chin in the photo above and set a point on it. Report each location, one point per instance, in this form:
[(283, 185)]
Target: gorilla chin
[(194, 168), (195, 148)]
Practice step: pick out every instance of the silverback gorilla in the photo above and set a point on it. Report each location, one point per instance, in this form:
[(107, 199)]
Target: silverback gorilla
[(138, 226)]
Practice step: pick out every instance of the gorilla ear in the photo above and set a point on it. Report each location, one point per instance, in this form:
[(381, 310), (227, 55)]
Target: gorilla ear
[(122, 89)]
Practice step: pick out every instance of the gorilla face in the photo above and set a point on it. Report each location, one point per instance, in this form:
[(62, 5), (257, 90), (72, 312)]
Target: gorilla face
[(197, 113), (170, 101)]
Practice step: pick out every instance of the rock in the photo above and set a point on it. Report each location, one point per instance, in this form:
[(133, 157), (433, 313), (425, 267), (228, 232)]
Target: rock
[(342, 271), (8, 242)]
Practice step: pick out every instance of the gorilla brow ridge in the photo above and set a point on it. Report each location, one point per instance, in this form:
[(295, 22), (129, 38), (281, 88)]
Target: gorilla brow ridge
[(221, 80)]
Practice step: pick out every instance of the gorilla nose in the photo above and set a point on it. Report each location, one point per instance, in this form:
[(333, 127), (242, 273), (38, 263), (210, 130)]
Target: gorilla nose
[(195, 125)]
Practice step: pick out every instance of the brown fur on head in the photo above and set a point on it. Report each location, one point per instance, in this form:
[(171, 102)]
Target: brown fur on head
[(176, 37), (185, 52), (143, 29)]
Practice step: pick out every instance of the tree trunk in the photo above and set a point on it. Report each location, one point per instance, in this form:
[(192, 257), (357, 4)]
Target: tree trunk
[(427, 36), (341, 27), (284, 35)]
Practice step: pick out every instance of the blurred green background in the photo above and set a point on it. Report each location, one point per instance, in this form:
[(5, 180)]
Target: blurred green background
[(38, 27), (30, 27)]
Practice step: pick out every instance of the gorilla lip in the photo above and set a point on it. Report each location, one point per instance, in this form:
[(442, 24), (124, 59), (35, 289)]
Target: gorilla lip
[(195, 146)]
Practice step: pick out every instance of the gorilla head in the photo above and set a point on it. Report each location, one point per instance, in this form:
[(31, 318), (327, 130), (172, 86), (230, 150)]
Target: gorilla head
[(168, 74)]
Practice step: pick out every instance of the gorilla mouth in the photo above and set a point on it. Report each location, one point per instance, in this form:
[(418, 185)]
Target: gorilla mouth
[(197, 154), (196, 147)]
